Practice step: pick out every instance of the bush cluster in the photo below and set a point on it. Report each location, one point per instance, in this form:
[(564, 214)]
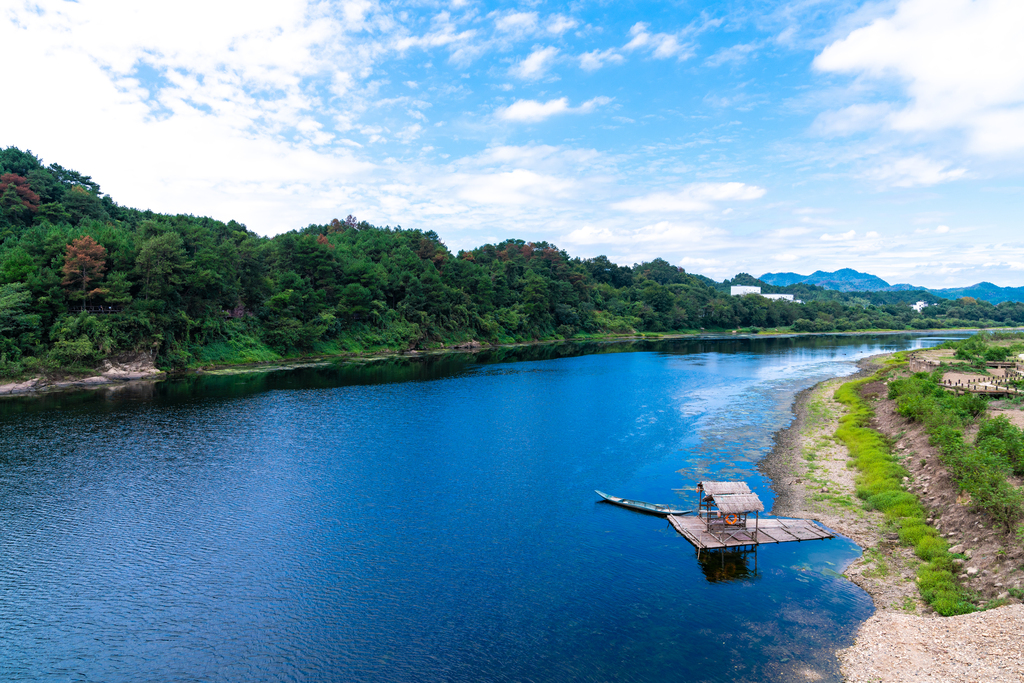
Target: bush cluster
[(981, 468)]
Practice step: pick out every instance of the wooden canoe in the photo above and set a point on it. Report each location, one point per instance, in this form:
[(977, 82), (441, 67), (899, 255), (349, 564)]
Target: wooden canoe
[(641, 506)]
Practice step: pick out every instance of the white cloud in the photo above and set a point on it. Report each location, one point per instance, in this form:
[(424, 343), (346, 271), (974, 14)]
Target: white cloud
[(559, 24), (694, 197), (409, 133), (914, 171), (516, 187), (663, 235), (535, 65), (958, 62), (737, 54), (850, 120), (533, 111), (790, 232), (595, 59), (660, 45), (938, 230), (840, 237), (516, 22), (589, 234)]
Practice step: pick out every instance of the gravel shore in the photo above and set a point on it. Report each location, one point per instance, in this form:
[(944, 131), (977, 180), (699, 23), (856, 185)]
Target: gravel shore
[(905, 640)]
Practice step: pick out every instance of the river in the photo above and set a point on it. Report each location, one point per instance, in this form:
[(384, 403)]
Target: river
[(417, 520)]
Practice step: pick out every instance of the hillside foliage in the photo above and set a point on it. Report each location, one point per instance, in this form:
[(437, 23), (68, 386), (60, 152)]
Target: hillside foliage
[(82, 277)]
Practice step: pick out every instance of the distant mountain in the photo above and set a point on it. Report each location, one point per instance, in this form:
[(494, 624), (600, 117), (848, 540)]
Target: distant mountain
[(849, 280), (843, 280), (782, 279), (983, 290)]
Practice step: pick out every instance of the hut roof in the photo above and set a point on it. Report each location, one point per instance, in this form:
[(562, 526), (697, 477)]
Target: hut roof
[(722, 488), (739, 502)]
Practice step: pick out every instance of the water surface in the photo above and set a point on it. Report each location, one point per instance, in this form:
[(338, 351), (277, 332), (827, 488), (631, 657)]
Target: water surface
[(416, 520)]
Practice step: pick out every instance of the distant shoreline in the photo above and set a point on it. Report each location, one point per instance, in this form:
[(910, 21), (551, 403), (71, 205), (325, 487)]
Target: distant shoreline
[(134, 372)]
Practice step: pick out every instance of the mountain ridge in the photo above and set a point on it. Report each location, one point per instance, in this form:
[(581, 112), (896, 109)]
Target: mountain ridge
[(850, 280)]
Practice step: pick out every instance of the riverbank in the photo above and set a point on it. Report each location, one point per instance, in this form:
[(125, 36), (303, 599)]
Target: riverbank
[(132, 367), (905, 640)]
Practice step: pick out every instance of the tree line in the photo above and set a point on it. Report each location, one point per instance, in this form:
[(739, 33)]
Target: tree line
[(82, 278)]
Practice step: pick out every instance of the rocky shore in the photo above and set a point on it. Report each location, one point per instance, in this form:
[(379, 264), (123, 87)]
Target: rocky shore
[(905, 640), (124, 368)]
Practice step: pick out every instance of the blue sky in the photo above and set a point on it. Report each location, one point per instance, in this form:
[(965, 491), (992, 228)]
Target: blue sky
[(723, 136)]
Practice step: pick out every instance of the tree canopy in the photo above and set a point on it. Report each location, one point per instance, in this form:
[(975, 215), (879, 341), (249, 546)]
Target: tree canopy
[(198, 291)]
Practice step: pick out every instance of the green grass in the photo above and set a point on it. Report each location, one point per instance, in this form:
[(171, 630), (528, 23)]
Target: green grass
[(880, 486)]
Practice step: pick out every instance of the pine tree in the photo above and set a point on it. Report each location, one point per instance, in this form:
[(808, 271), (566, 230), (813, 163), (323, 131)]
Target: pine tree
[(84, 262)]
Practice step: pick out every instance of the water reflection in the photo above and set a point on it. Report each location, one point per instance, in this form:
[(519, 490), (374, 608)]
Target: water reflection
[(728, 564)]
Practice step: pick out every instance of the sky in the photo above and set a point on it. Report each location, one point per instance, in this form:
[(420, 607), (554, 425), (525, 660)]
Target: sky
[(725, 137)]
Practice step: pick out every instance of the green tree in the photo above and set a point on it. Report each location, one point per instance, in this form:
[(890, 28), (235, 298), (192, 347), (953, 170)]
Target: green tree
[(159, 264)]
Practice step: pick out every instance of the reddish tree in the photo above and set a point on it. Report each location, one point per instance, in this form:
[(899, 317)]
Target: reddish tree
[(323, 241), (29, 198), (84, 262)]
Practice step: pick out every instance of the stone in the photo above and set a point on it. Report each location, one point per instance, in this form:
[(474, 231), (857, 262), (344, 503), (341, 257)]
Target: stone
[(972, 571), (1002, 596), (958, 548)]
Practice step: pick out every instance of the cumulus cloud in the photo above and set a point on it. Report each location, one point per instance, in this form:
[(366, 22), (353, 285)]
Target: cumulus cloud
[(533, 111), (957, 62), (694, 197), (535, 65), (914, 171)]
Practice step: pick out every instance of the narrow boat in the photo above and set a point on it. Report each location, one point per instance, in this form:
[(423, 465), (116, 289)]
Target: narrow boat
[(653, 508)]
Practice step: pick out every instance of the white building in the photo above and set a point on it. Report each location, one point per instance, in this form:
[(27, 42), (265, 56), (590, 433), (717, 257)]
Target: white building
[(743, 290), (920, 306)]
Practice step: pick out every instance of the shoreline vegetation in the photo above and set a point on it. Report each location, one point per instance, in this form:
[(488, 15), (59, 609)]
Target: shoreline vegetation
[(85, 280), (928, 484), (127, 367)]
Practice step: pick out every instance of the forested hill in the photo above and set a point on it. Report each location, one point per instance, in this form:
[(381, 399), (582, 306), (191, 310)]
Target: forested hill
[(82, 277)]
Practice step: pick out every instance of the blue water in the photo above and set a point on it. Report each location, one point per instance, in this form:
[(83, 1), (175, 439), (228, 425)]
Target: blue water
[(429, 520)]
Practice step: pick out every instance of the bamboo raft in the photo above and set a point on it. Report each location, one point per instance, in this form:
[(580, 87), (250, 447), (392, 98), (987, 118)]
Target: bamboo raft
[(771, 530), (728, 516)]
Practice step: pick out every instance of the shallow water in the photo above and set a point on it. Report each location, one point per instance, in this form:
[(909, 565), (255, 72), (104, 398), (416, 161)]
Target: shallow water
[(428, 520)]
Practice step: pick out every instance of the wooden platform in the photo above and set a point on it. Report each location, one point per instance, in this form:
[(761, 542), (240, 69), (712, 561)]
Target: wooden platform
[(771, 530)]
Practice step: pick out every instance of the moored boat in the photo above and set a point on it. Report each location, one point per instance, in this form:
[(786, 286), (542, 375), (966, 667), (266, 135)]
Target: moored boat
[(653, 508)]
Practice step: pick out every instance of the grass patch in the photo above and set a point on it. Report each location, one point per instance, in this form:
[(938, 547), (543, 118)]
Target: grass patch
[(880, 486)]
